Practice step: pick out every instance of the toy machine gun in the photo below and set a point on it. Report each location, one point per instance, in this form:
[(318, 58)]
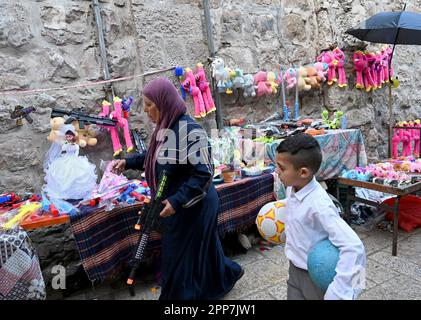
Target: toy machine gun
[(82, 118), (20, 112), (139, 137), (149, 220)]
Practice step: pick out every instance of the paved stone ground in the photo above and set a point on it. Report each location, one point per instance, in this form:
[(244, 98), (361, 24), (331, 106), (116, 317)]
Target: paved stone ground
[(266, 272)]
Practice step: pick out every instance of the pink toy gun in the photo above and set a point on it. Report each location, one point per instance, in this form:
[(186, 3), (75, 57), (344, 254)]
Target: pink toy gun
[(360, 63), (203, 85), (189, 84), (339, 56)]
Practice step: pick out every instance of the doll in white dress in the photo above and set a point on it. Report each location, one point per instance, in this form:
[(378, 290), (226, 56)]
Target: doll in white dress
[(70, 176)]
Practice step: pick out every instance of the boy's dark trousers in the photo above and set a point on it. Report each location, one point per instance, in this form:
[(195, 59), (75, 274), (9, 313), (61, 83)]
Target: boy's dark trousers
[(301, 287)]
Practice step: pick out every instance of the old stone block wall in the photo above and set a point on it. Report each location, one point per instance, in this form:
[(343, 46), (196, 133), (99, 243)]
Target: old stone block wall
[(53, 43)]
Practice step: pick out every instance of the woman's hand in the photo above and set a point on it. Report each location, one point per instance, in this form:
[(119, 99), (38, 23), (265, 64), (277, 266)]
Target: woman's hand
[(168, 209), (119, 166)]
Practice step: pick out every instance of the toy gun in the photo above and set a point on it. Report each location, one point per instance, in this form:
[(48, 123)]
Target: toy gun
[(139, 140), (20, 112), (23, 213), (47, 206), (126, 104), (82, 118), (148, 221)]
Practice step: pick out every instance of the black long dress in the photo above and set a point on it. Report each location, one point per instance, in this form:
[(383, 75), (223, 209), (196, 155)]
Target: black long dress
[(193, 262)]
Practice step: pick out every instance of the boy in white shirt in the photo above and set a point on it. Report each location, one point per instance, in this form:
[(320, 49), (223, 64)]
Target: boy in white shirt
[(311, 217)]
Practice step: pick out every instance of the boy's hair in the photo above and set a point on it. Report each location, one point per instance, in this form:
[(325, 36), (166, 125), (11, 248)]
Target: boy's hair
[(304, 151)]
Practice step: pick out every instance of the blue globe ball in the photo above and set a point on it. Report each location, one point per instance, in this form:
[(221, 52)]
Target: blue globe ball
[(321, 263)]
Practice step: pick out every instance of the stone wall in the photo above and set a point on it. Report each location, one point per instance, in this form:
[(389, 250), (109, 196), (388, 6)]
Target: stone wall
[(53, 43)]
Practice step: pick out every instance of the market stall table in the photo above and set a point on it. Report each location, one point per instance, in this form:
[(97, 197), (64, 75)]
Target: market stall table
[(106, 239), (341, 149), (398, 192)]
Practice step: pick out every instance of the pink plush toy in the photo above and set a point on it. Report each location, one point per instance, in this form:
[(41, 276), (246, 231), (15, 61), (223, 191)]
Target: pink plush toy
[(328, 58), (290, 77), (203, 85), (260, 79), (396, 140), (339, 56), (369, 83), (416, 138), (415, 166), (406, 141), (189, 84), (122, 123), (322, 69), (360, 63)]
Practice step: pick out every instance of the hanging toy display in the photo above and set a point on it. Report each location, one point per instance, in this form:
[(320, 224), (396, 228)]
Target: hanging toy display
[(372, 69)]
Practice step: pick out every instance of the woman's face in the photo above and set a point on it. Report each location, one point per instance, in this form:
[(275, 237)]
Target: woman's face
[(151, 110)]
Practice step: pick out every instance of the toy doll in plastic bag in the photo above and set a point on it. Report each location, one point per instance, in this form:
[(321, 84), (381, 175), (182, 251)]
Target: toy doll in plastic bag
[(68, 175)]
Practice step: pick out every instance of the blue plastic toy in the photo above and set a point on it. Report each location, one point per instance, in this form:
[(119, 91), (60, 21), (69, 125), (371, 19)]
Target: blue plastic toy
[(321, 263)]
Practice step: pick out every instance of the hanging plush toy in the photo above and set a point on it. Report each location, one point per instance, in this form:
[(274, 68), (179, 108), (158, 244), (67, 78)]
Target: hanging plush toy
[(203, 85), (290, 77), (339, 56), (189, 84), (249, 87), (360, 63), (260, 80)]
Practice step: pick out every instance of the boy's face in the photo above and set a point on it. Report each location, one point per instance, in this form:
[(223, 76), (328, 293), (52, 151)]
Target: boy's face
[(287, 172)]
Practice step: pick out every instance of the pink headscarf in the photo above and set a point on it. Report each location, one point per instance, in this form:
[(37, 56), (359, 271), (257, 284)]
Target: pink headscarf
[(171, 106)]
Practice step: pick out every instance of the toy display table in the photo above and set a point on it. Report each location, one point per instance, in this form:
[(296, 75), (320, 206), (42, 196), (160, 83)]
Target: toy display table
[(398, 192)]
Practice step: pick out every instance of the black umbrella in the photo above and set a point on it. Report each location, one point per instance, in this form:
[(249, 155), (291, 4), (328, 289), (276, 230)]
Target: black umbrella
[(392, 28)]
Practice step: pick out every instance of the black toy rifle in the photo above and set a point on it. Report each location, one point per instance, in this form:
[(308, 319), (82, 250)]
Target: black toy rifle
[(82, 118), (20, 112), (139, 140), (148, 221)]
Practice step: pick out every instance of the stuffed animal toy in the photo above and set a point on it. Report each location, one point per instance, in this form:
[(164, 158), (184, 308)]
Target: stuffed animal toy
[(238, 80), (260, 79), (321, 68), (271, 82), (369, 83), (360, 63), (339, 57), (85, 137), (312, 75), (219, 73), (203, 85), (290, 77), (249, 87), (56, 123), (416, 137), (190, 86), (328, 58), (303, 82)]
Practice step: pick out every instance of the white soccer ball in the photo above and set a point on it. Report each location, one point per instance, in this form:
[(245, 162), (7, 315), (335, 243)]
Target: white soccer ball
[(270, 221)]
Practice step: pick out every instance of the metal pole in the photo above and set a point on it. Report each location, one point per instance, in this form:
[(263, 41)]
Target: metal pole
[(102, 49), (211, 47), (391, 120)]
